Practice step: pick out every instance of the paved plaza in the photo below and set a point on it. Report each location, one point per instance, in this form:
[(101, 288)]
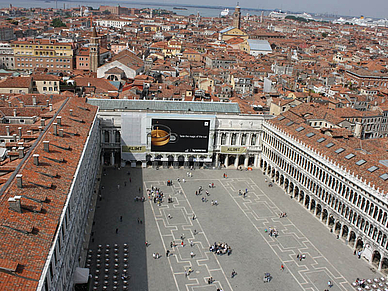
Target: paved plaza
[(242, 223)]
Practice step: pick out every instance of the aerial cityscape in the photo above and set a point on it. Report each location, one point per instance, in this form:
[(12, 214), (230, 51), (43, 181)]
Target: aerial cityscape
[(180, 146)]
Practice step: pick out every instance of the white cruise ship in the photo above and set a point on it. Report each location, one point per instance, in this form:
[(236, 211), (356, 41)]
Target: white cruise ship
[(225, 12)]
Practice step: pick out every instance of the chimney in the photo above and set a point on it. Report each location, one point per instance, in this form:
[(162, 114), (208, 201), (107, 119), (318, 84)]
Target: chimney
[(40, 129), (71, 112), (14, 203), (14, 113), (9, 104), (14, 137), (47, 102), (36, 159), (7, 129), (29, 132), (55, 129), (61, 132), (50, 107), (21, 152), (21, 104), (46, 146), (42, 122), (59, 119), (19, 180), (34, 100), (20, 131)]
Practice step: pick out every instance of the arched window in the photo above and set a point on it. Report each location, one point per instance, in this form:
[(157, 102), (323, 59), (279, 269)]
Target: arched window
[(253, 139)]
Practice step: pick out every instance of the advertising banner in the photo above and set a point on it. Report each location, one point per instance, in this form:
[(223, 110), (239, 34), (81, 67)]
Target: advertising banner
[(233, 150), (133, 149), (180, 135)]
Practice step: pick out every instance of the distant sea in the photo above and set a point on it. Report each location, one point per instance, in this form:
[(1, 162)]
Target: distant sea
[(203, 11)]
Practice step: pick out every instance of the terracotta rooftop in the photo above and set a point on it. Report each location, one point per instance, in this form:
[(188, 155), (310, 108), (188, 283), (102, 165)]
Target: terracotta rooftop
[(26, 236)]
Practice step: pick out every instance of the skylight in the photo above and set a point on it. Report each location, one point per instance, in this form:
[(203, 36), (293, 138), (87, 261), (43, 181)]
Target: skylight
[(322, 139), (360, 162), (372, 169), (310, 134), (384, 177), (300, 128), (281, 118), (349, 156), (340, 150), (329, 145), (290, 123)]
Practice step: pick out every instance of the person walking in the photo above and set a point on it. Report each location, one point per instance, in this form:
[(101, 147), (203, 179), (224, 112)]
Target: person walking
[(329, 284), (167, 253), (282, 267), (191, 243)]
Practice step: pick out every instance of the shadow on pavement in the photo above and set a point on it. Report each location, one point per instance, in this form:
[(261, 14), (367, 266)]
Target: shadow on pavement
[(119, 223)]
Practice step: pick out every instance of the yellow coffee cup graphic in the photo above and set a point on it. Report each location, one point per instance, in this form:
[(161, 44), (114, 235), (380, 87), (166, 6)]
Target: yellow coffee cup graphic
[(161, 135)]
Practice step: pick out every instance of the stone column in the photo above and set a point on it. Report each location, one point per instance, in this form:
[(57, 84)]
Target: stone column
[(228, 138), (236, 161), (226, 160), (255, 164), (380, 263), (112, 158), (246, 160), (216, 161)]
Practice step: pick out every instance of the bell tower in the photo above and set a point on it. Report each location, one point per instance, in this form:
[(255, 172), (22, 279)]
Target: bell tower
[(237, 17), (94, 51)]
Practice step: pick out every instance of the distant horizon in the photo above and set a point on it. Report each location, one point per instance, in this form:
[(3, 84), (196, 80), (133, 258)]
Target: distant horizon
[(226, 4)]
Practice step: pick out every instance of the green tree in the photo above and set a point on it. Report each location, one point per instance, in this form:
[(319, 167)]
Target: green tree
[(324, 34), (57, 22)]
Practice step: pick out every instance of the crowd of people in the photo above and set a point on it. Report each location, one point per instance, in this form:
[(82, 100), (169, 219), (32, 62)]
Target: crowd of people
[(220, 248)]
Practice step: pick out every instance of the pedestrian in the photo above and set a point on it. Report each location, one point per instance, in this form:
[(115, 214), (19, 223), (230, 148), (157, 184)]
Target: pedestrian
[(192, 254), (138, 220), (117, 230), (329, 284), (282, 267), (130, 180), (121, 219), (146, 243), (182, 244), (195, 232), (194, 217), (169, 216), (167, 253), (118, 186), (139, 189), (141, 221), (125, 183), (183, 180), (171, 244), (191, 243), (185, 273), (234, 273)]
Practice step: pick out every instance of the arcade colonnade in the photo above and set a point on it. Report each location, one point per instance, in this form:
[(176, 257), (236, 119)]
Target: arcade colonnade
[(348, 207)]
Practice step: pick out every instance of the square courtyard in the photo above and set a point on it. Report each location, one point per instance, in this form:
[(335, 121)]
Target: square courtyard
[(119, 258)]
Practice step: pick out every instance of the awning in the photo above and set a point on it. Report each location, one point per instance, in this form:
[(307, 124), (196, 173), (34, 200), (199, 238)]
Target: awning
[(81, 275)]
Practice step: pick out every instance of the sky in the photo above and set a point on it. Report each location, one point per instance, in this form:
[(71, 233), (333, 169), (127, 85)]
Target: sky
[(368, 8)]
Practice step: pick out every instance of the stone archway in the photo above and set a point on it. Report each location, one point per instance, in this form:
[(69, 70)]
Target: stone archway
[(337, 227), (376, 257), (181, 161), (307, 201), (312, 206), (352, 239), (345, 231), (318, 210), (359, 245), (384, 265), (325, 216)]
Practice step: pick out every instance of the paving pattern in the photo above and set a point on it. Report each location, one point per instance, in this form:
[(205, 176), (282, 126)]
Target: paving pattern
[(244, 223)]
